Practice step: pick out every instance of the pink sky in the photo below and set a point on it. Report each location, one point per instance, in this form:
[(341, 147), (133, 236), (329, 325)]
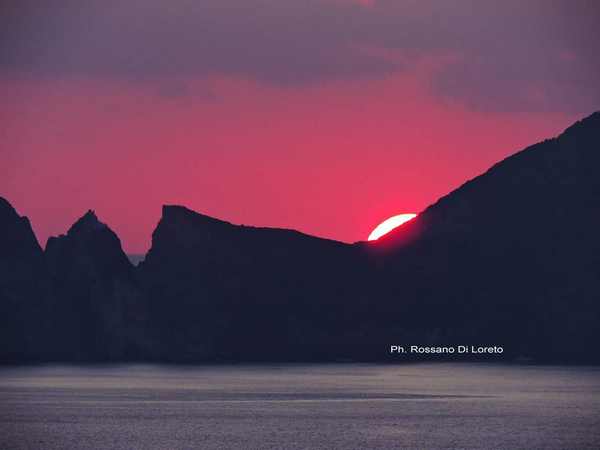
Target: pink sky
[(330, 152)]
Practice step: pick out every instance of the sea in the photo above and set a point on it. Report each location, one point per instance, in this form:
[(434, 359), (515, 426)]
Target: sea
[(300, 406)]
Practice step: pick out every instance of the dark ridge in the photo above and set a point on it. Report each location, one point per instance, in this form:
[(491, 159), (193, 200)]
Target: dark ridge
[(16, 234), (512, 255), (6, 209), (24, 307), (511, 258), (87, 223), (176, 213), (96, 294), (181, 214), (520, 170)]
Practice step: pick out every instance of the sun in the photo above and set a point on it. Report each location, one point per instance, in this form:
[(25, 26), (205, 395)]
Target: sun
[(389, 224)]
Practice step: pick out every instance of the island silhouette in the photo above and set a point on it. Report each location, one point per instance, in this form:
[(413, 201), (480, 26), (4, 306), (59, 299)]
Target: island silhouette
[(511, 258)]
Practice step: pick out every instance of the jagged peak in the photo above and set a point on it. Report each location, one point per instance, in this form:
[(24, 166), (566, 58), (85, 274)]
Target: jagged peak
[(11, 220), (88, 222)]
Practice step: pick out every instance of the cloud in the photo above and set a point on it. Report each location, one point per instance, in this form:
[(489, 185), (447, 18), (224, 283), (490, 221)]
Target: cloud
[(502, 56)]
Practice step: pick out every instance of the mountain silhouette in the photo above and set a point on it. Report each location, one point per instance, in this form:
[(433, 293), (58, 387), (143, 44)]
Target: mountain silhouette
[(23, 284), (514, 254), (510, 258), (95, 292), (218, 290)]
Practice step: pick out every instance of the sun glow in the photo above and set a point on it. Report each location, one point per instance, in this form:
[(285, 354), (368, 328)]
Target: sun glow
[(389, 224)]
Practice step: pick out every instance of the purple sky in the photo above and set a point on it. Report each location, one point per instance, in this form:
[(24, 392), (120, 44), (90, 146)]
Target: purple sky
[(322, 115)]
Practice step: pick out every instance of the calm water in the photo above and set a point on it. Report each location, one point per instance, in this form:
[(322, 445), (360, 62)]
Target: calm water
[(300, 406)]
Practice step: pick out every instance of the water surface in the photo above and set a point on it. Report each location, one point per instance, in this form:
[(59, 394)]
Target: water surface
[(346, 406)]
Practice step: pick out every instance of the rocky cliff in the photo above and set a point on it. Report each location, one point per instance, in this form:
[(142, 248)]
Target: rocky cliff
[(511, 259)]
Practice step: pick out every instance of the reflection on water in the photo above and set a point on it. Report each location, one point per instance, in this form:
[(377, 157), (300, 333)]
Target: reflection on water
[(300, 406)]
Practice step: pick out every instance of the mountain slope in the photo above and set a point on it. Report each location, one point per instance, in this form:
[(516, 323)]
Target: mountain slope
[(511, 259), (546, 186), (99, 312), (23, 299), (513, 255)]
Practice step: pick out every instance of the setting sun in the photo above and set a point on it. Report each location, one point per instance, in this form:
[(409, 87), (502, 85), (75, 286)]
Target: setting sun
[(389, 224)]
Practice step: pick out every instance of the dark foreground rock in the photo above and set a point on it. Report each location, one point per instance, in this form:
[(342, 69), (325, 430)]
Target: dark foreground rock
[(510, 259)]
